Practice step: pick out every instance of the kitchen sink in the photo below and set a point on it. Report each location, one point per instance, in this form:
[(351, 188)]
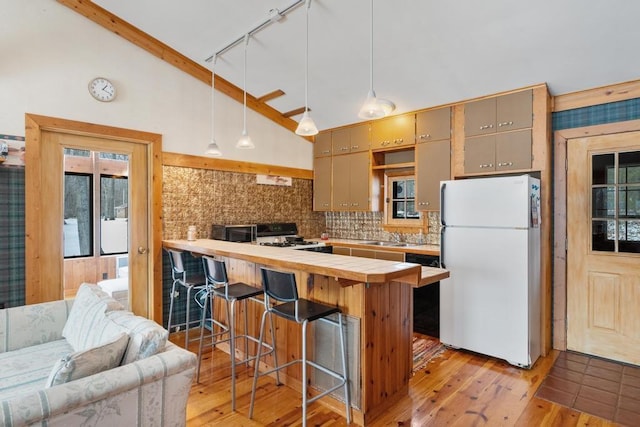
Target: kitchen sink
[(380, 243)]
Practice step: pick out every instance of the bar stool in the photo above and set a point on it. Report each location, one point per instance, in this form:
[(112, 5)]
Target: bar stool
[(218, 286), (281, 287), (179, 276)]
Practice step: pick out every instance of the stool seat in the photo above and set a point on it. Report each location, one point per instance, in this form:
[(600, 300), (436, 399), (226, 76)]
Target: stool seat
[(237, 291), (307, 310)]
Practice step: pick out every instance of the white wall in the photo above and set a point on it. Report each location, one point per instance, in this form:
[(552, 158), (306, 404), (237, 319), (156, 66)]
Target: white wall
[(49, 53)]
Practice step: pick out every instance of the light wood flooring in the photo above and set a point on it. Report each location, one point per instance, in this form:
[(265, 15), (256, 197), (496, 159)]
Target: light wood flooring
[(455, 389)]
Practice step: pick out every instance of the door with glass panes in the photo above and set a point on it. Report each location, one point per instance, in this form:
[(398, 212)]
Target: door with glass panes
[(603, 247)]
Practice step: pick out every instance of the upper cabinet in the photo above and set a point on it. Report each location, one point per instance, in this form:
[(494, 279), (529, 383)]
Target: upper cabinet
[(433, 125), (503, 113), (352, 139), (322, 144), (393, 132)]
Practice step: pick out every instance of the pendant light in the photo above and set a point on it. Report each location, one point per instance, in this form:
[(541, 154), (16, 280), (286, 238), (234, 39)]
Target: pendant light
[(306, 126), (245, 141), (371, 109), (212, 148)]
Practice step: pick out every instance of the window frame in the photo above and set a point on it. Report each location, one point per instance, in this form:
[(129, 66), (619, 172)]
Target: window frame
[(389, 178)]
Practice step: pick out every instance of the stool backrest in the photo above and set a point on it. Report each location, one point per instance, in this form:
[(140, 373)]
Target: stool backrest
[(215, 271), (279, 285), (177, 265)]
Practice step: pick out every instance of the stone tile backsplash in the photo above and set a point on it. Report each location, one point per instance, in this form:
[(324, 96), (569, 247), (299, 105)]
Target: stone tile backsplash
[(369, 226), (203, 197)]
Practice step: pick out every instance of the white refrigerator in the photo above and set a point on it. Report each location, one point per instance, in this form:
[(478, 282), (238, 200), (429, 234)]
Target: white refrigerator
[(490, 243)]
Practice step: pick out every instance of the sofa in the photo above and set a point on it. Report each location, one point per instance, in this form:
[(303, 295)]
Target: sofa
[(88, 361)]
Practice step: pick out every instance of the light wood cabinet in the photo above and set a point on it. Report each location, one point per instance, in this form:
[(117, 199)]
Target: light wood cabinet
[(352, 139), (322, 144), (369, 253), (500, 152), (502, 113), (433, 164), (341, 250), (433, 125), (322, 184), (393, 132), (350, 189)]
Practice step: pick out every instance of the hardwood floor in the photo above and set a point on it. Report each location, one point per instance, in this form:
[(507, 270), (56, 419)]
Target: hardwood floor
[(458, 389)]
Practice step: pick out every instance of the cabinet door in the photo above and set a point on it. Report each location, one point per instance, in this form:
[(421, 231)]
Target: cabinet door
[(393, 132), (433, 125), (514, 111), (341, 250), (480, 117), (359, 138), (340, 183), (322, 145), (513, 150), (363, 253), (359, 170), (433, 164), (479, 154), (341, 141), (322, 184), (390, 256)]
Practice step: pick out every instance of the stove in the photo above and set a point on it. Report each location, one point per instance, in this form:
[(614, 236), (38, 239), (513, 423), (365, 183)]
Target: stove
[(285, 235)]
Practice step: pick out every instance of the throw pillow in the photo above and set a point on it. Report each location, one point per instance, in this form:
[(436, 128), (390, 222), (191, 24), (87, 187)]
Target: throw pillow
[(89, 362), (87, 313), (146, 336)]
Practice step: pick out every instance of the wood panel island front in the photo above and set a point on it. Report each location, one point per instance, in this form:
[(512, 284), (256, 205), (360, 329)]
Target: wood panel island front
[(376, 294)]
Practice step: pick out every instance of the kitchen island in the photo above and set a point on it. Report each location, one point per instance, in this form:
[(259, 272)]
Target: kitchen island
[(376, 296)]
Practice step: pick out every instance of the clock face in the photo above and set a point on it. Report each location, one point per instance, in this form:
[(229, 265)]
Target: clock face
[(102, 89)]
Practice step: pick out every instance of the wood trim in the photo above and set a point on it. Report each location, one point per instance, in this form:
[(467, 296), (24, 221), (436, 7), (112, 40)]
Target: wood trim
[(199, 162), (155, 47), (561, 139), (38, 278), (294, 112), (596, 96), (271, 95)]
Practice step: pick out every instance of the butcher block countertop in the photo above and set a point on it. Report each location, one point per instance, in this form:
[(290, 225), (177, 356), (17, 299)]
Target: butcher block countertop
[(345, 269)]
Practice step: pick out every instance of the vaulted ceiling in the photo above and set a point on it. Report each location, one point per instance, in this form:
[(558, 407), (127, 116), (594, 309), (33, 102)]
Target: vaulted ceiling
[(426, 52)]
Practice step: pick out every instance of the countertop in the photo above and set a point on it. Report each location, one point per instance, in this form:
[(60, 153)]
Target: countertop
[(345, 269), (362, 244)]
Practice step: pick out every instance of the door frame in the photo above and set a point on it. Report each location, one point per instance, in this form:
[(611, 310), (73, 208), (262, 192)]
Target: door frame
[(560, 139), (40, 270)]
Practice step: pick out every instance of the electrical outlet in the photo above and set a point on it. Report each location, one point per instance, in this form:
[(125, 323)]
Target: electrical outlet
[(105, 276)]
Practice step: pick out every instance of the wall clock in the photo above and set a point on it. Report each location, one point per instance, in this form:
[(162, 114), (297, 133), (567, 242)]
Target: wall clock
[(102, 89)]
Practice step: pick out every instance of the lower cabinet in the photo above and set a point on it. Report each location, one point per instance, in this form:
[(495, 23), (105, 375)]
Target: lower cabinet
[(369, 253)]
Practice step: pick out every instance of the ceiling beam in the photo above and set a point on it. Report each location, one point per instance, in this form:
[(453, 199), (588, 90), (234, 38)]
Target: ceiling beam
[(154, 46), (294, 112), (271, 95)]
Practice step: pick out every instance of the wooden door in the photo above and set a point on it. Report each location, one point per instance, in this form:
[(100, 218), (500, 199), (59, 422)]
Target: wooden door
[(479, 154), (513, 150), (514, 111), (322, 184), (603, 251), (322, 144), (359, 181), (433, 164), (433, 125), (340, 183), (46, 139)]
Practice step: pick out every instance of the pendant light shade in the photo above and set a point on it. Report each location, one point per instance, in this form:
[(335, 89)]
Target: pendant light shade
[(306, 126), (372, 108), (245, 141), (212, 148)]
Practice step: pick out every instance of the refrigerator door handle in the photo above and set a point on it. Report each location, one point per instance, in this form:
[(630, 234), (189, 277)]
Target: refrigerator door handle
[(442, 187), (442, 264)]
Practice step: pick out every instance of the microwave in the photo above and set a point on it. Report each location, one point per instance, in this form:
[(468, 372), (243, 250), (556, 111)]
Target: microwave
[(234, 233)]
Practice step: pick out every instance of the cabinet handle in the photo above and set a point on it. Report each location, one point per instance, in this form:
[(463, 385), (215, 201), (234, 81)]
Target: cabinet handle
[(423, 204), (425, 136), (505, 124), (344, 148), (355, 204), (355, 147), (486, 127), (505, 164), (326, 152), (398, 141), (384, 143), (325, 204), (488, 165)]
